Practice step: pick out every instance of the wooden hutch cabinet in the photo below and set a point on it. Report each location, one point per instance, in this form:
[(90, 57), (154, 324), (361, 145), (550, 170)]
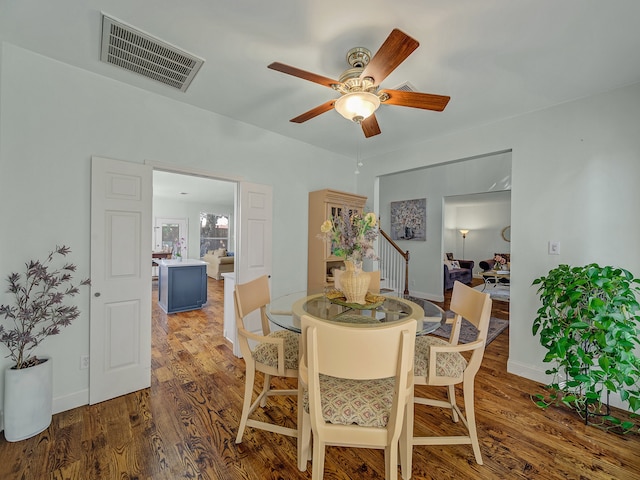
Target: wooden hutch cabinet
[(323, 205)]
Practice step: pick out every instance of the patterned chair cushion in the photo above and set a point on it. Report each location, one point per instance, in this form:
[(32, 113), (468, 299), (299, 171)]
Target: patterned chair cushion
[(449, 364), (267, 353), (364, 402)]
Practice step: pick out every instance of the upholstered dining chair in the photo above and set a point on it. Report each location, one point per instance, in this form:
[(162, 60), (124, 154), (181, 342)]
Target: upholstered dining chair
[(439, 362), (358, 384), (272, 353)]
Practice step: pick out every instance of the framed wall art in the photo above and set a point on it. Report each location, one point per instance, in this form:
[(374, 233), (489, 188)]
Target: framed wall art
[(409, 220)]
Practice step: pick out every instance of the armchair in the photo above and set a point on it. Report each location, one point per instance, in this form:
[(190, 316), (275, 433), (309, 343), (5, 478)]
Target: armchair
[(460, 270)]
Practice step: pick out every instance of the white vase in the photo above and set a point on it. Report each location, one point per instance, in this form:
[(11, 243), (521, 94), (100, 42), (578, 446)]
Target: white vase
[(28, 400)]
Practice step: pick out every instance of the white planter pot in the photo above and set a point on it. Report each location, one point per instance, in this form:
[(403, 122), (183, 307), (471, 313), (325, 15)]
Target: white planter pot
[(28, 399)]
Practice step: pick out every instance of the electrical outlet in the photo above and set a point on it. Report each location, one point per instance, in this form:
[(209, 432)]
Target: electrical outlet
[(84, 362)]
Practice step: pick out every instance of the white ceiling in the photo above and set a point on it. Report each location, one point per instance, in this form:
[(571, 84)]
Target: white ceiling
[(495, 58), (194, 189)]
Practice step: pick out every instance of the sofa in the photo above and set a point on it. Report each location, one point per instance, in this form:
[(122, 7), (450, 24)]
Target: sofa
[(219, 262), (460, 270)]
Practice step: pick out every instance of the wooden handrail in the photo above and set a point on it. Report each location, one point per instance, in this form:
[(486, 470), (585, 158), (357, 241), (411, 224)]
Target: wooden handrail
[(404, 254)]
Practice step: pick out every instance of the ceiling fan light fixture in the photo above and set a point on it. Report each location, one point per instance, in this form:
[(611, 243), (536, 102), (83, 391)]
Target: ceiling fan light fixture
[(357, 106)]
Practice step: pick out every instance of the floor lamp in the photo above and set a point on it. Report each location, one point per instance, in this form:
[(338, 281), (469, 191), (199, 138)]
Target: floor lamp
[(464, 235)]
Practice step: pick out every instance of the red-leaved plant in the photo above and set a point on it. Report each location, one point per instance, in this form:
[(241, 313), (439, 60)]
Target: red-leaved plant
[(38, 309)]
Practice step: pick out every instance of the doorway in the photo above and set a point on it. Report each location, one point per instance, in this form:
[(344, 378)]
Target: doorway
[(122, 242)]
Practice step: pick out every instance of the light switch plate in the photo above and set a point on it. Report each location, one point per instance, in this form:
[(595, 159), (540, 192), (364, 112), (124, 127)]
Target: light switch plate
[(554, 247)]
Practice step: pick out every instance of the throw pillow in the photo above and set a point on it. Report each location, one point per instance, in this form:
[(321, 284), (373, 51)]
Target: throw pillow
[(455, 264), (448, 264)]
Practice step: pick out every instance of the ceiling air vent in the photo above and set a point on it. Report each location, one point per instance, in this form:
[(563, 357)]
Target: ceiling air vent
[(136, 51), (406, 87)]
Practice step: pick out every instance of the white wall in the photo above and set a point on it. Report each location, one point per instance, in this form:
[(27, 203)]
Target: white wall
[(54, 117), (575, 171)]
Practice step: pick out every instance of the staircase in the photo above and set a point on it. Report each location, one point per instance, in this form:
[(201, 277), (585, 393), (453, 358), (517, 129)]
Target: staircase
[(393, 265)]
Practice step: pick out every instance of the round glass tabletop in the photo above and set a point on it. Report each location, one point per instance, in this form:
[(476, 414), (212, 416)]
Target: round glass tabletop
[(287, 310)]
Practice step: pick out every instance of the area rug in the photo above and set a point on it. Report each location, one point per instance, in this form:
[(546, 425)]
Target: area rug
[(497, 291), (468, 332)]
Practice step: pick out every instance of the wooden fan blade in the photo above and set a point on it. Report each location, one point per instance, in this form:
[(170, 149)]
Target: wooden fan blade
[(426, 101), (314, 112), (296, 72), (395, 49), (370, 126)]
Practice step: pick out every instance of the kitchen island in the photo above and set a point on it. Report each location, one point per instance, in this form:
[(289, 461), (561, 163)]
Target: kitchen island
[(182, 285)]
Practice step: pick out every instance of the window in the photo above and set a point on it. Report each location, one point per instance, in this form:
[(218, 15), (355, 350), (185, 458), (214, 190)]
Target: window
[(170, 231), (214, 232)]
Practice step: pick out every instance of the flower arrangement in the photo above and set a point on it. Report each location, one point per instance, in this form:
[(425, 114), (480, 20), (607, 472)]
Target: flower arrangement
[(178, 246), (38, 310), (351, 234), (500, 262)]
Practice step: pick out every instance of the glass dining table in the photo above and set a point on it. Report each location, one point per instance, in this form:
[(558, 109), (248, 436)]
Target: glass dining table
[(287, 310)]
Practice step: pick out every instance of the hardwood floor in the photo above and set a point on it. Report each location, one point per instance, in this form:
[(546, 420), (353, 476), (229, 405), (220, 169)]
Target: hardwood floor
[(184, 426)]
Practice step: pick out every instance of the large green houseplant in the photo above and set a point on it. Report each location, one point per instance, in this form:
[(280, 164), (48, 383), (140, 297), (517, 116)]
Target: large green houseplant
[(37, 311), (589, 323)]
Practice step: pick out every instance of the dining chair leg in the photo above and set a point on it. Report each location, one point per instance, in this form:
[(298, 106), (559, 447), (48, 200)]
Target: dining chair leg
[(317, 464), (469, 412), (405, 445), (304, 434), (391, 462), (452, 400), (265, 390), (250, 376)]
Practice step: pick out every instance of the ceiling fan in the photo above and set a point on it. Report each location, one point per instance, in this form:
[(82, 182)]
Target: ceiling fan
[(359, 85)]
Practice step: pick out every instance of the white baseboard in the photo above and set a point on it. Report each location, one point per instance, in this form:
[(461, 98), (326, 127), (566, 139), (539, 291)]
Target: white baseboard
[(73, 400), (528, 371)]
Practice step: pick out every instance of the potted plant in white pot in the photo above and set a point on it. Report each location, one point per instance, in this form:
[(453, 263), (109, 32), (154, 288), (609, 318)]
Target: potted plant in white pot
[(37, 311), (589, 323)]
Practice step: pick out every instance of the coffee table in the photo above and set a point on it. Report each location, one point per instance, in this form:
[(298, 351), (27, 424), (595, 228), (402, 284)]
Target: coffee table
[(495, 275)]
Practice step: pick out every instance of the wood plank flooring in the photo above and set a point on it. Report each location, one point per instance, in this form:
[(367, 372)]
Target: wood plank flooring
[(184, 426)]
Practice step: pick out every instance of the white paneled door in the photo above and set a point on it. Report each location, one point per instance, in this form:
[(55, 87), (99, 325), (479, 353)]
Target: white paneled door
[(256, 218), (120, 325), (255, 230)]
